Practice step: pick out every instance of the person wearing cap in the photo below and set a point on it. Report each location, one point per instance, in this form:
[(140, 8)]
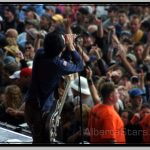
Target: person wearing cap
[(49, 66), (15, 75), (104, 124), (57, 24), (24, 79), (85, 92), (82, 16), (132, 59), (112, 13), (136, 98), (31, 35), (10, 65)]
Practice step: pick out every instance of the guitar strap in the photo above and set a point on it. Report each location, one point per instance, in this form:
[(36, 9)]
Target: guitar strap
[(52, 118)]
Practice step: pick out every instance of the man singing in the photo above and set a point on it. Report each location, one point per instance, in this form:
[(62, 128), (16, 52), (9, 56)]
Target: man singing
[(48, 68)]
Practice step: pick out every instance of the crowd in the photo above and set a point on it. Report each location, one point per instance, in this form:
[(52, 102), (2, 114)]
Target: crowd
[(114, 44)]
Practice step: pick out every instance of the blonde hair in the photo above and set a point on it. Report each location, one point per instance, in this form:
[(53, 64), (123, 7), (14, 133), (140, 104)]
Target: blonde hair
[(85, 112), (13, 96), (13, 33)]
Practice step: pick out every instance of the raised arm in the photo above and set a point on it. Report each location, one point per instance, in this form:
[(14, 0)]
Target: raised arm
[(93, 90), (122, 54)]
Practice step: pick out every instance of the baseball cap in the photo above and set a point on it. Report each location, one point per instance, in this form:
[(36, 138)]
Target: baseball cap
[(15, 75), (126, 33), (136, 92), (26, 72), (131, 57), (58, 18)]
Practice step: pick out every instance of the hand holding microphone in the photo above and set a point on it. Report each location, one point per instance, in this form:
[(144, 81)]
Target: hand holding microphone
[(69, 40)]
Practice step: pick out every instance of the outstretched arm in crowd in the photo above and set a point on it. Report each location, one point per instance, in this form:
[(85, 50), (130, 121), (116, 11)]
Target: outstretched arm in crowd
[(67, 25), (100, 31), (84, 56), (101, 63), (92, 87), (122, 54)]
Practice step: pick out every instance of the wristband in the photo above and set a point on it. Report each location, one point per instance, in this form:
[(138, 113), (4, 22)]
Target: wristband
[(90, 81)]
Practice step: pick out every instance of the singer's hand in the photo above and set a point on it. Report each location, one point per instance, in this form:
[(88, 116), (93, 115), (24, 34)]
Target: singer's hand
[(69, 39)]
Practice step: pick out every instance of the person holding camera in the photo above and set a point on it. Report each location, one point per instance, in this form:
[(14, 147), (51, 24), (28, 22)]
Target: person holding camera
[(48, 67)]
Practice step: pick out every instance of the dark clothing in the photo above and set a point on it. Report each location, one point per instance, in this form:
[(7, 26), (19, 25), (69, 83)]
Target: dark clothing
[(19, 26), (33, 116), (46, 74), (133, 134), (147, 89), (6, 117)]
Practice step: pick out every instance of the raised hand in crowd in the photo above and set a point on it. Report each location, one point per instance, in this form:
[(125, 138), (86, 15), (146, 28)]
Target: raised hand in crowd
[(93, 90), (83, 54), (67, 25), (96, 51), (99, 23)]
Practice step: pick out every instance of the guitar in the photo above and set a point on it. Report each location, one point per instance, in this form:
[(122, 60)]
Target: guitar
[(54, 116)]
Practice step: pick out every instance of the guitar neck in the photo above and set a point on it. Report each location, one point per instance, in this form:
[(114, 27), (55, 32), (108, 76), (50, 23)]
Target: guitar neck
[(62, 100)]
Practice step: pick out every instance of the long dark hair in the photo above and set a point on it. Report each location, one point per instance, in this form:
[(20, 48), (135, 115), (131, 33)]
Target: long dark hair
[(53, 44)]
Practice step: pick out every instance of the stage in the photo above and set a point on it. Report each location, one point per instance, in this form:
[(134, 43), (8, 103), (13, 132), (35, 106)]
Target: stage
[(9, 136)]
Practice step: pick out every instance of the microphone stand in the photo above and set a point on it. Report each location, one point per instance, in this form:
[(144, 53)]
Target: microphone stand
[(80, 99), (81, 119)]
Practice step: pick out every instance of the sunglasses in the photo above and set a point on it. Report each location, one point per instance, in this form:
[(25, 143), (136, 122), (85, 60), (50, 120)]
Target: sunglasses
[(28, 47)]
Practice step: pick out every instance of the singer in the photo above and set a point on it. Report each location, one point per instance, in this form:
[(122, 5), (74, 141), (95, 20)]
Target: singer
[(48, 67)]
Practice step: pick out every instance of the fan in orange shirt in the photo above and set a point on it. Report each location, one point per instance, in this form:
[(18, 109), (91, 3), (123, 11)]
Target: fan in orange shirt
[(145, 124), (105, 125)]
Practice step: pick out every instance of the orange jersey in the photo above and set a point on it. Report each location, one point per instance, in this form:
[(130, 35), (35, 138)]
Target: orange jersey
[(105, 124), (145, 124)]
